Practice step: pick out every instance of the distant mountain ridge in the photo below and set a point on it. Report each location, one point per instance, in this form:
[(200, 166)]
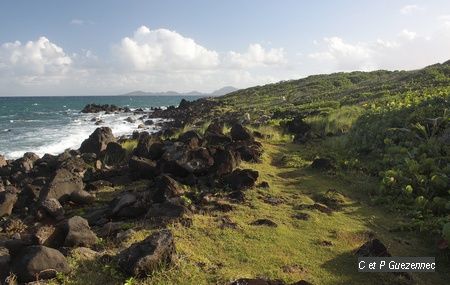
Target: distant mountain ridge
[(220, 92)]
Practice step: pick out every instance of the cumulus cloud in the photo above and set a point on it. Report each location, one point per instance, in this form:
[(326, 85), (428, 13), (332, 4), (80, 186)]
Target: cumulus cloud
[(161, 59), (345, 55), (154, 60), (162, 49), (410, 9), (408, 35), (255, 56), (37, 58), (407, 51)]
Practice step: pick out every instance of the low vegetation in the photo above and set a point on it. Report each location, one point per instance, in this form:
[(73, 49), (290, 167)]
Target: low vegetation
[(390, 125)]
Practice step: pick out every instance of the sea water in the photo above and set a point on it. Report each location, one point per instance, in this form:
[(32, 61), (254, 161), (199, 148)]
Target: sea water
[(53, 124)]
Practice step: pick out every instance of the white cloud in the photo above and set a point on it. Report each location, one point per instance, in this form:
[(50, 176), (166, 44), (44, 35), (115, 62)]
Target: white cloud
[(256, 56), (154, 60), (35, 58), (445, 20), (408, 34), (345, 55), (407, 51), (410, 9), (77, 22), (162, 49), (160, 59)]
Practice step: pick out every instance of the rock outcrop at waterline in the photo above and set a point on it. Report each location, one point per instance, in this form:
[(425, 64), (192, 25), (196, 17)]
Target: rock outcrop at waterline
[(42, 195), (96, 108)]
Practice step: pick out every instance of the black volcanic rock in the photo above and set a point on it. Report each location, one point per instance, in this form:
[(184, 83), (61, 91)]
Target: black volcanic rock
[(38, 262), (78, 233), (95, 108), (97, 141), (142, 258), (241, 179), (241, 133), (62, 185), (7, 201)]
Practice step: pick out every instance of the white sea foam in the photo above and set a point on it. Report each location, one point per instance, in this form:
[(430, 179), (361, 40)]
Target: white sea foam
[(55, 140)]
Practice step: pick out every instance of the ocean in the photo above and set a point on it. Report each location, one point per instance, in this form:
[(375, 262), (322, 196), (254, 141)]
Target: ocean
[(53, 124)]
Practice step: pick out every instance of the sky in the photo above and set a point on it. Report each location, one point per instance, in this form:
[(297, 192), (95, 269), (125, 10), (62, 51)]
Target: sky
[(52, 47)]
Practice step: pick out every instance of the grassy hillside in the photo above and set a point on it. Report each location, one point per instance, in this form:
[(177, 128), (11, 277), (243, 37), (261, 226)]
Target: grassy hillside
[(326, 92), (389, 125), (385, 138)]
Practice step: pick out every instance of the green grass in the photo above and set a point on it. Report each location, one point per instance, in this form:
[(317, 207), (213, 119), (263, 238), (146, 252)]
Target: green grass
[(337, 122), (129, 145), (207, 254)]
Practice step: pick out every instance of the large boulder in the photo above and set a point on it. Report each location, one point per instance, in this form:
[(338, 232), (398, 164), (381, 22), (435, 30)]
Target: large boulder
[(8, 199), (190, 138), (78, 233), (249, 151), (373, 248), (62, 185), (241, 179), (142, 168), (123, 201), (166, 187), (74, 164), (130, 205), (168, 210), (180, 160), (114, 154), (198, 161), (38, 262), (142, 258), (217, 140), (322, 164), (97, 141), (215, 127), (82, 197), (96, 108), (225, 161), (149, 147), (52, 207), (25, 164), (172, 167), (241, 133)]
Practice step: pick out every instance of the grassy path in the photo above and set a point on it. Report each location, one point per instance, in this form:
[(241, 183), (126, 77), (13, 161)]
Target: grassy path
[(319, 250)]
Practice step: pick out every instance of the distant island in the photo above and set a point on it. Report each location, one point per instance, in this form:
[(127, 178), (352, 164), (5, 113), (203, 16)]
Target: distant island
[(220, 92)]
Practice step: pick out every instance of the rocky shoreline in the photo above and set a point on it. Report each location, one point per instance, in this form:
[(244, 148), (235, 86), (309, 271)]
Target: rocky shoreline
[(50, 205), (39, 194)]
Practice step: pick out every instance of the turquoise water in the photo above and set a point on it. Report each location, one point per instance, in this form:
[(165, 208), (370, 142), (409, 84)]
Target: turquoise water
[(53, 124)]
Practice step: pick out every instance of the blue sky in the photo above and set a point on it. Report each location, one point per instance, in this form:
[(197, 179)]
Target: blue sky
[(109, 47)]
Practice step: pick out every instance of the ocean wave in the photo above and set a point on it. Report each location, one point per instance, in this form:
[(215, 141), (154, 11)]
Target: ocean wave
[(54, 139)]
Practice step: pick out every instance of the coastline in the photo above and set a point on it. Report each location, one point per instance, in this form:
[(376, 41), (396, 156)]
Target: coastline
[(49, 125), (43, 192)]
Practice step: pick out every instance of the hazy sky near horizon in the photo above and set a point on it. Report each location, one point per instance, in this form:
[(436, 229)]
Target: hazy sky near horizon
[(101, 47)]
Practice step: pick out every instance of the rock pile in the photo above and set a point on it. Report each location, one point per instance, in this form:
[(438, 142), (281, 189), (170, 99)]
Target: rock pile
[(36, 192)]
